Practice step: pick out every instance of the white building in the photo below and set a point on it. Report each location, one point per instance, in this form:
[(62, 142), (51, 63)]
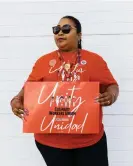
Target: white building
[(26, 34)]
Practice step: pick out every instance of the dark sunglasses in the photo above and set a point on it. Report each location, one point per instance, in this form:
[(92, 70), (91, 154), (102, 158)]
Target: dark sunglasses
[(65, 29)]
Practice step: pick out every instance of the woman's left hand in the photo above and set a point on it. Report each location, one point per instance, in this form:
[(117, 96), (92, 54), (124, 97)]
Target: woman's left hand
[(105, 99)]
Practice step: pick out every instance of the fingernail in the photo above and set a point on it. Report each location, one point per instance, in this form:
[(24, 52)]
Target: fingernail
[(97, 98), (21, 110), (26, 110), (26, 113)]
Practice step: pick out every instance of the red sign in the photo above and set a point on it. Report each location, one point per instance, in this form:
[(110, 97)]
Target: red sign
[(61, 107)]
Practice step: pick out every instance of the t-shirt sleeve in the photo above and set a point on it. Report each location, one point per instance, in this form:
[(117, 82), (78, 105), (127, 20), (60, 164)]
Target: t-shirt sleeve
[(35, 74), (101, 72)]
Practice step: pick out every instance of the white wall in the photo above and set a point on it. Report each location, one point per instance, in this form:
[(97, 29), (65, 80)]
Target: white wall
[(25, 34)]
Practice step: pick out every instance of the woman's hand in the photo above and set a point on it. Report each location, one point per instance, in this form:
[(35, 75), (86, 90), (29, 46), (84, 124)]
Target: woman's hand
[(106, 99), (109, 96), (17, 107)]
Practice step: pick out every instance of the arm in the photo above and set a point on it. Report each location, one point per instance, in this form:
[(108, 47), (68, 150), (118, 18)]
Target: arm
[(35, 75), (114, 91), (109, 89), (17, 102), (19, 96)]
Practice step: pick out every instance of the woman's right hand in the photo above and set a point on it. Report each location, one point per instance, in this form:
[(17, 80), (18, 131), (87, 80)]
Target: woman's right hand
[(17, 107)]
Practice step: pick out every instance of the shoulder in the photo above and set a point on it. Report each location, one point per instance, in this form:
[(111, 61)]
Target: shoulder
[(45, 58), (92, 56)]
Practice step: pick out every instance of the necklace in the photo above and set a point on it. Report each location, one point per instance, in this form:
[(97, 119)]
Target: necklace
[(68, 70)]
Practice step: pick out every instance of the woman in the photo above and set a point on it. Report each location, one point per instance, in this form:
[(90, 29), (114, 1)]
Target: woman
[(72, 150)]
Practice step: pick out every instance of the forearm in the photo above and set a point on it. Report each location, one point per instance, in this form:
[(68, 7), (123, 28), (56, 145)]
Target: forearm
[(114, 91), (21, 94)]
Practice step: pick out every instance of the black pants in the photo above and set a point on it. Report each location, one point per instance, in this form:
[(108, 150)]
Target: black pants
[(95, 155)]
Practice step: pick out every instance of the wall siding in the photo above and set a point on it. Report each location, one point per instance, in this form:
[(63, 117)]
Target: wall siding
[(25, 35)]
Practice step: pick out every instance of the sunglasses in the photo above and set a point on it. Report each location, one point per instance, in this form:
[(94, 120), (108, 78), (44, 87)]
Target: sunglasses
[(65, 29)]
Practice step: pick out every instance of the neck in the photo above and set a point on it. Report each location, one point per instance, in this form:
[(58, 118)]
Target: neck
[(69, 50)]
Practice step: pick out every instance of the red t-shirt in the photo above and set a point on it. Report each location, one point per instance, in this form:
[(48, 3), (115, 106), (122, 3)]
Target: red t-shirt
[(95, 69)]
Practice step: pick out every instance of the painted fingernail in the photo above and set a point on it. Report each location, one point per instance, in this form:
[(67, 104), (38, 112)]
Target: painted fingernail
[(26, 110), (21, 110), (26, 113)]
